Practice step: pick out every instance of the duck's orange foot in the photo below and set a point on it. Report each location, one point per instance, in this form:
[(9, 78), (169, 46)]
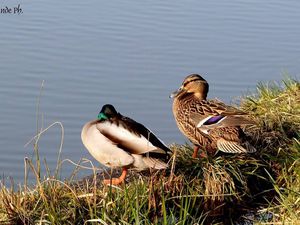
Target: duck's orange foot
[(113, 181), (116, 181), (195, 153), (203, 155)]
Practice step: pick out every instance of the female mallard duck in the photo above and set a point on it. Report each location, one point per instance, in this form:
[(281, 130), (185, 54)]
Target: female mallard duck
[(209, 124), (118, 141)]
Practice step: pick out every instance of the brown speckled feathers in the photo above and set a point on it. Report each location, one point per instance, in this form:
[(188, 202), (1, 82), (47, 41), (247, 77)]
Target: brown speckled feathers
[(210, 124)]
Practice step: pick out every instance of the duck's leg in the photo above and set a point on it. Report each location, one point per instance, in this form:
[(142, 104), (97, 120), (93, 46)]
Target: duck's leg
[(117, 181), (195, 153), (203, 155)]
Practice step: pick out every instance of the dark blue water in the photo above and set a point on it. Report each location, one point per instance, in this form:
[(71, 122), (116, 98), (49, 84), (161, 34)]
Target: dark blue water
[(131, 54)]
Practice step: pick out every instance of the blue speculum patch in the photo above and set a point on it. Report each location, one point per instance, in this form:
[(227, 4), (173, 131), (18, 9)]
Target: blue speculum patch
[(213, 120)]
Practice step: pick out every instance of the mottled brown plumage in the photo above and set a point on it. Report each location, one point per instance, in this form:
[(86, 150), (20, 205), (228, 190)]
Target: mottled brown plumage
[(209, 124)]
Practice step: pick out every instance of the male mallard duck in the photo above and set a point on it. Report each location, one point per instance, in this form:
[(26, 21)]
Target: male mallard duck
[(209, 124), (118, 141)]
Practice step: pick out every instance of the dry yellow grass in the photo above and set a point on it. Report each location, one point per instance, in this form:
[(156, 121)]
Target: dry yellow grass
[(216, 190)]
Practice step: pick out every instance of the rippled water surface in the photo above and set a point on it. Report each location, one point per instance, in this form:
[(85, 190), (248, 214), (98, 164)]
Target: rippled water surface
[(131, 54)]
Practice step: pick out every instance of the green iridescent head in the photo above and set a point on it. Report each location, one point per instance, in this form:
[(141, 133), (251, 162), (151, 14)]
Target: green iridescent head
[(107, 111)]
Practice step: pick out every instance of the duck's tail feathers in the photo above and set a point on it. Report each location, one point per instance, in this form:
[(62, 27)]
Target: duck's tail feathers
[(155, 163), (234, 147), (159, 153)]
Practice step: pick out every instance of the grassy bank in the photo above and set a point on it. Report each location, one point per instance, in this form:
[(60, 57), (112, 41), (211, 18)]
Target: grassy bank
[(262, 188)]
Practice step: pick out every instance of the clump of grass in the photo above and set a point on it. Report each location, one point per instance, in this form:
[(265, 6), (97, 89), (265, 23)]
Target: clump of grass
[(276, 109), (215, 190)]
